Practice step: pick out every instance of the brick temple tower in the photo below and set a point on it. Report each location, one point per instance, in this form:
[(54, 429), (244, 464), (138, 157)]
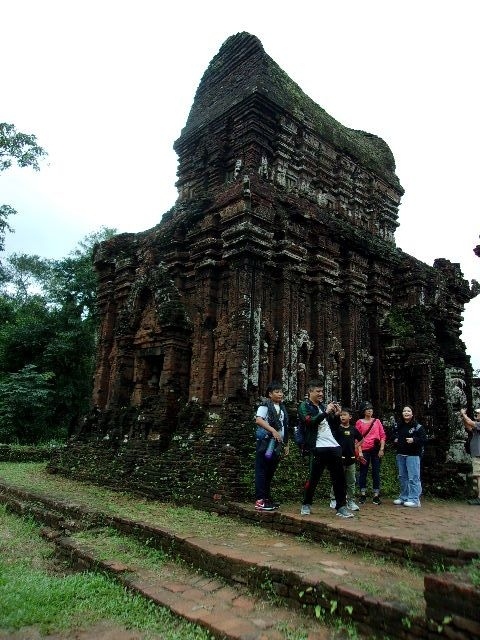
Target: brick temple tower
[(278, 260)]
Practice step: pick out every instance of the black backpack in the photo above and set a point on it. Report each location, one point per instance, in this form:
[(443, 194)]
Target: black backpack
[(299, 433)]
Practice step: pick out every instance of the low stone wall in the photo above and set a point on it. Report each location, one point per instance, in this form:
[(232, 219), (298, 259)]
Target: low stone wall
[(452, 600), (453, 605), (422, 554), (209, 455)]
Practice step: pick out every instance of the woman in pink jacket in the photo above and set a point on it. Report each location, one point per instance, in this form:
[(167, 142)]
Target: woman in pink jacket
[(373, 445)]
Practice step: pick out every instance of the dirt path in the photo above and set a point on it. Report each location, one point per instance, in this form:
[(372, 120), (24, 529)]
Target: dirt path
[(100, 631)]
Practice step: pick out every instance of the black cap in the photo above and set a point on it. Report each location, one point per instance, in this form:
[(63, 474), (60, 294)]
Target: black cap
[(366, 405)]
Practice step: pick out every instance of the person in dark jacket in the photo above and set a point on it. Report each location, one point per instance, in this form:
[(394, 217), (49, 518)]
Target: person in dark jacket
[(409, 438), (347, 437), (323, 450)]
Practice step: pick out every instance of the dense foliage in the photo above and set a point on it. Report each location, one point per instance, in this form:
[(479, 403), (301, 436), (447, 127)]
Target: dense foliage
[(47, 343)]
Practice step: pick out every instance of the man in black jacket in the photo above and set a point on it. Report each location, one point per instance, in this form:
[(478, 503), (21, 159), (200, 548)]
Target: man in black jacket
[(323, 450)]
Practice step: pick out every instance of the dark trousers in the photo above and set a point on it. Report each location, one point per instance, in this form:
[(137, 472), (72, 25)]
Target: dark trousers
[(264, 471), (371, 456), (318, 462)]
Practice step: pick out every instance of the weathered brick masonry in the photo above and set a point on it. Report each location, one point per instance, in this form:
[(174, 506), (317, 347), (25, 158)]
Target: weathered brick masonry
[(278, 260)]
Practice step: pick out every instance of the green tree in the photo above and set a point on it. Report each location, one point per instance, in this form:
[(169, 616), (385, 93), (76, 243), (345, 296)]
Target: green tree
[(5, 211), (22, 272), (26, 333), (24, 406), (71, 282), (48, 307), (21, 148)]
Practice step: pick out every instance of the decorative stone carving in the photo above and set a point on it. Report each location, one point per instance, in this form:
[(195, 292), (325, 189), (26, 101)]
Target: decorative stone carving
[(456, 399), (238, 166)]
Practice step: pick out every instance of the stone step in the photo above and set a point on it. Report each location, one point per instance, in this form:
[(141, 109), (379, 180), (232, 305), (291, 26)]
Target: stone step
[(320, 565), (40, 513), (56, 514), (439, 534), (227, 611), (322, 582)]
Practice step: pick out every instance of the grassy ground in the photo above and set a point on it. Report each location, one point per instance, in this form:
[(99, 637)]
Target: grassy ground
[(187, 521), (36, 589), (40, 595), (181, 519)]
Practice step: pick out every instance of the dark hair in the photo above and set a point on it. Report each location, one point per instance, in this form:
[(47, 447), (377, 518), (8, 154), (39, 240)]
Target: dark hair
[(346, 410), (274, 386), (313, 384), (413, 421)]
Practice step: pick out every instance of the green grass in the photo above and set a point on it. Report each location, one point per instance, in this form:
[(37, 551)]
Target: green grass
[(108, 544), (37, 590), (471, 572), (474, 573), (179, 519)]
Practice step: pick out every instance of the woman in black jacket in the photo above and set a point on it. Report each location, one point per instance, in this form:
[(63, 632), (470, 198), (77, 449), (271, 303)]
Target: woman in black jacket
[(409, 439)]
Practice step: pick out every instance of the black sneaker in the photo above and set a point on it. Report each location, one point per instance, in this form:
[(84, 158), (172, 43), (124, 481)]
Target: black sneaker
[(376, 500), (273, 504), (362, 499)]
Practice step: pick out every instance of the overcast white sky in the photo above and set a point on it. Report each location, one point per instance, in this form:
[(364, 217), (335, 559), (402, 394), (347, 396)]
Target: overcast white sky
[(106, 86)]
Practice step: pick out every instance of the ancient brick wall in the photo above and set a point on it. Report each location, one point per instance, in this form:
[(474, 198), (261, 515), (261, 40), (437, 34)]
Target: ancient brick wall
[(278, 260)]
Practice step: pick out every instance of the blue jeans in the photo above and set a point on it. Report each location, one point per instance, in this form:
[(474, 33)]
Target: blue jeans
[(409, 477), (371, 456)]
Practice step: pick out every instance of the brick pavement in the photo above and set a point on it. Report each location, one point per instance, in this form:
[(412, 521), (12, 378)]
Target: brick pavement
[(441, 529)]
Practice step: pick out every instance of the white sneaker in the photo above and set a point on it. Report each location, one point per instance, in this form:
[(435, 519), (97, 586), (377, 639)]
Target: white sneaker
[(353, 506), (333, 504), (306, 510), (410, 503), (398, 501)]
